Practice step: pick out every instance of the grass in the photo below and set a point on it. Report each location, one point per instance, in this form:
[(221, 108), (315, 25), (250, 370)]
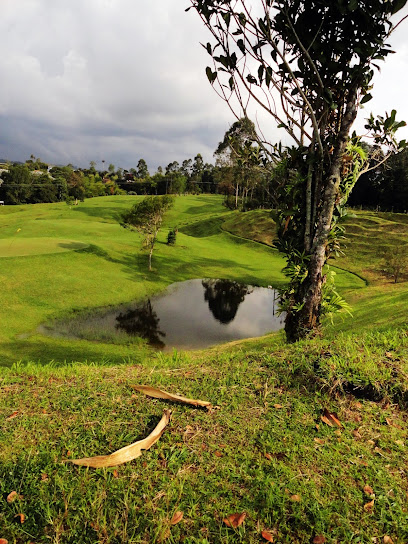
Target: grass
[(265, 451), (262, 450)]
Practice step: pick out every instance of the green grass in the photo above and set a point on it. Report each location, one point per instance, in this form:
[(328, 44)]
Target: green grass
[(265, 444), (111, 269), (24, 247)]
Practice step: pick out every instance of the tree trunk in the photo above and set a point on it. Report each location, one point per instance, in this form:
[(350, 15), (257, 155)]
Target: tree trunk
[(306, 320), (150, 259)]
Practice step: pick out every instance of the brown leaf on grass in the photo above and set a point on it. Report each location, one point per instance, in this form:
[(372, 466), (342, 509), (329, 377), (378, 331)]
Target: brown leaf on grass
[(388, 540), (330, 418), (20, 518), (178, 516), (115, 474), (319, 441), (267, 536), (356, 434), (11, 497), (160, 394), (13, 415), (319, 539), (369, 507), (368, 490), (278, 406), (128, 453), (235, 520), (296, 498), (3, 541), (44, 477), (218, 453), (268, 456)]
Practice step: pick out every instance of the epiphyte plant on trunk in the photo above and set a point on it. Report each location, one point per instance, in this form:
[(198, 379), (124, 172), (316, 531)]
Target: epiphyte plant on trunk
[(309, 64)]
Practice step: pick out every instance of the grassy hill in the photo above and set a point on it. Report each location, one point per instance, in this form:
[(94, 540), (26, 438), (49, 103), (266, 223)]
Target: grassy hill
[(266, 451)]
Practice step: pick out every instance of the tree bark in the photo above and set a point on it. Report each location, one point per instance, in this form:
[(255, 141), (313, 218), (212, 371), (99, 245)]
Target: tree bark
[(299, 324)]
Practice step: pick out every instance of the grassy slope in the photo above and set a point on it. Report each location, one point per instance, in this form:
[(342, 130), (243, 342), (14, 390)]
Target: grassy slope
[(368, 234), (110, 271), (262, 451)]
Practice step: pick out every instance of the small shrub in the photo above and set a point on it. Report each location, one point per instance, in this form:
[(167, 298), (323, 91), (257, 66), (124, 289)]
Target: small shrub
[(396, 262), (171, 237)]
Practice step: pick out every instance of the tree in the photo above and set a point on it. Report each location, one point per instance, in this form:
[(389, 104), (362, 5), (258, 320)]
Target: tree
[(76, 186), (235, 156), (18, 185), (45, 190), (396, 261), (146, 217), (142, 171), (309, 64)]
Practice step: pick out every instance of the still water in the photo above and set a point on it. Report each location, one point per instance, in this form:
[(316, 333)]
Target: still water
[(190, 315)]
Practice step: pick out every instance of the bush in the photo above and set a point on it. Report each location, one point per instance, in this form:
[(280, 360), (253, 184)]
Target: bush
[(396, 262), (171, 237)]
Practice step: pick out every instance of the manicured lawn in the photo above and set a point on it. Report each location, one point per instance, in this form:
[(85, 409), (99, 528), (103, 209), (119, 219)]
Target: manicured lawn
[(264, 451)]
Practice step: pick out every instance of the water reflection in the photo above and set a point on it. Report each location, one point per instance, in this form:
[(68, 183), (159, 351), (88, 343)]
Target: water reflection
[(142, 321), (190, 315), (224, 297)]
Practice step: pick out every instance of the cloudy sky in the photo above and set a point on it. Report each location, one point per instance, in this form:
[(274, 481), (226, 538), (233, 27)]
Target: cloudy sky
[(117, 80)]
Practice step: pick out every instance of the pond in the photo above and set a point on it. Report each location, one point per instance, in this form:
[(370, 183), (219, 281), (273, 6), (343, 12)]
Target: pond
[(189, 315)]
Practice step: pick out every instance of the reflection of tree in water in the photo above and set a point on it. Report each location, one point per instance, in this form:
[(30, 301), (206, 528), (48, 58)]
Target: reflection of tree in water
[(142, 321), (224, 297)]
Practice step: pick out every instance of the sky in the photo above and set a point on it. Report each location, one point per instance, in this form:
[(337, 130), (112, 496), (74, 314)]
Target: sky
[(120, 80)]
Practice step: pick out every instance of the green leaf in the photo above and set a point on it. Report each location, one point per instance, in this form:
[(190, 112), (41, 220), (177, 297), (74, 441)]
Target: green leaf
[(366, 98), (397, 5), (212, 76)]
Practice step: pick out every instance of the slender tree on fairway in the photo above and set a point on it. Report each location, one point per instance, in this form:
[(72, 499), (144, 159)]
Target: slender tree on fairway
[(309, 64), (146, 217)]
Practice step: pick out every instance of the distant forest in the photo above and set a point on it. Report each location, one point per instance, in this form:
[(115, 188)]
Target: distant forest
[(384, 188)]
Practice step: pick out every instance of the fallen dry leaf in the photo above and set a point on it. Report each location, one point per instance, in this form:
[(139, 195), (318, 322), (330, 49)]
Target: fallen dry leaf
[(330, 418), (278, 406), (295, 498), (319, 441), (235, 520), (11, 497), (218, 453), (13, 415), (319, 539), (160, 394), (115, 474), (267, 536), (44, 477), (128, 453), (369, 506), (268, 456), (3, 541), (356, 434), (178, 516), (388, 540), (368, 490), (21, 517)]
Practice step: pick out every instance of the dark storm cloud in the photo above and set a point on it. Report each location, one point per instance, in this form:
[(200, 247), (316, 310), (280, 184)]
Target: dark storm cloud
[(92, 80), (118, 80)]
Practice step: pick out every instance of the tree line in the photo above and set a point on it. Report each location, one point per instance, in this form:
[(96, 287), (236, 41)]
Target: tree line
[(239, 174)]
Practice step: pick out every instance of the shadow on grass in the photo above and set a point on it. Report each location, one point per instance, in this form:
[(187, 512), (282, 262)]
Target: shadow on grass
[(61, 352), (109, 214)]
